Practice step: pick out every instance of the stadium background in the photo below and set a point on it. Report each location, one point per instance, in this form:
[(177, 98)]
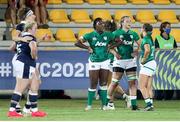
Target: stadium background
[(63, 66)]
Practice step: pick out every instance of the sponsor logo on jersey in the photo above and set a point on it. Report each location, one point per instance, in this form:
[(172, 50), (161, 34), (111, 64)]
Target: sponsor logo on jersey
[(128, 42), (100, 44)]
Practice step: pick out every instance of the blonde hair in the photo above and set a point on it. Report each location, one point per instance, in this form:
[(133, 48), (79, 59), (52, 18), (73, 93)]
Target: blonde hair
[(28, 25)]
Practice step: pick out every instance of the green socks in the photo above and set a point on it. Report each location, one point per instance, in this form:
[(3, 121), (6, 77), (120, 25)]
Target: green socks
[(91, 94), (133, 100), (103, 94)]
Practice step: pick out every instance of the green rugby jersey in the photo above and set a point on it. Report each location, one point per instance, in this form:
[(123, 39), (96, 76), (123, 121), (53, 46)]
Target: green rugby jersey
[(147, 40), (128, 38), (99, 44)]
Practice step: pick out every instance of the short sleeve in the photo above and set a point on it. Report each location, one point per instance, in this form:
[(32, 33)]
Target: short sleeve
[(20, 27), (86, 37), (136, 36)]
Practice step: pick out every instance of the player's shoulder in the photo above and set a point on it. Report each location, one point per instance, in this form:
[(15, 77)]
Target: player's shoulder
[(22, 23), (118, 31), (24, 34)]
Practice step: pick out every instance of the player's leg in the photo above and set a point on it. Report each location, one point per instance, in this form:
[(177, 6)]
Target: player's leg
[(37, 79), (21, 85), (103, 78), (150, 89), (118, 89), (131, 76), (111, 89), (143, 80), (22, 82), (118, 70), (33, 95), (146, 72), (94, 77)]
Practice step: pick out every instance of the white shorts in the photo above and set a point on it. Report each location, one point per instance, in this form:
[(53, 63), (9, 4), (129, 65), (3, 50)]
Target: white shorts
[(99, 65), (14, 59), (125, 63), (13, 62), (148, 68), (22, 70)]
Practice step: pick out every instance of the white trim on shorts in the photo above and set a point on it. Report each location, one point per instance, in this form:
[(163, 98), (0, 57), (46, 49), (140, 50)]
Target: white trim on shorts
[(148, 68), (125, 63), (99, 65)]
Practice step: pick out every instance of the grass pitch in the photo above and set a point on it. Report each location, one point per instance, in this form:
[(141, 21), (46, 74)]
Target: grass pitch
[(73, 110)]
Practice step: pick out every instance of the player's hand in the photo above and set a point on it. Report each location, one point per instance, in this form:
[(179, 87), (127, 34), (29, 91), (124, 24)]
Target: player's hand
[(117, 56), (143, 60), (90, 50), (119, 40), (26, 39)]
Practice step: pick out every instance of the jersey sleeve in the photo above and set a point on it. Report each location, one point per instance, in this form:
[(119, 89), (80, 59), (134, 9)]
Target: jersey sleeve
[(112, 36), (145, 41), (86, 37), (136, 36), (33, 39), (20, 27)]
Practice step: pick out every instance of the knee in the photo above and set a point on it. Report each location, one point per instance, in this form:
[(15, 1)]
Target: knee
[(103, 83)]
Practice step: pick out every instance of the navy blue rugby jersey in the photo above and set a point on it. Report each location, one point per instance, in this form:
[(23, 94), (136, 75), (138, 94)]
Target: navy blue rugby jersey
[(24, 51), (20, 26)]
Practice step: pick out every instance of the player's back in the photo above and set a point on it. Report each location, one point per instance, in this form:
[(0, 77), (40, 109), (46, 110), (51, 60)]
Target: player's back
[(24, 51)]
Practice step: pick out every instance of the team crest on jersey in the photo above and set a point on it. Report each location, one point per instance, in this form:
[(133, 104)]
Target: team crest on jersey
[(131, 36), (105, 37), (121, 36), (94, 38)]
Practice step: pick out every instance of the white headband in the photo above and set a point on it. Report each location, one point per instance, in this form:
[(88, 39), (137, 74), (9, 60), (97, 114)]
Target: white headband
[(29, 13)]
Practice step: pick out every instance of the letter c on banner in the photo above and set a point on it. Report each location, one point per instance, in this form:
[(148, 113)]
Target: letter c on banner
[(42, 69)]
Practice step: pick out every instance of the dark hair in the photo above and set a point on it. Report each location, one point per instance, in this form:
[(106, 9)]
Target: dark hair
[(148, 27), (23, 13), (122, 20), (163, 25), (96, 21), (110, 25)]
